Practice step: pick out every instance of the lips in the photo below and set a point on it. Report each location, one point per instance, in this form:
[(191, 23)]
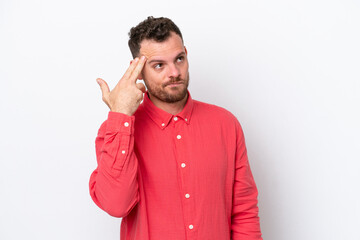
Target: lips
[(174, 84)]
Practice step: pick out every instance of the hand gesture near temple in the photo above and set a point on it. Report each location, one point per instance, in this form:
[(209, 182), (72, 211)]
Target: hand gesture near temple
[(127, 94)]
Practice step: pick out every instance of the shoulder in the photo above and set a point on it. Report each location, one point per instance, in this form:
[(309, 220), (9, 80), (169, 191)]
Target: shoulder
[(217, 116), (213, 111)]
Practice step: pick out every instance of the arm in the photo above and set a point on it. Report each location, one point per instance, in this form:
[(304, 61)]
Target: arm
[(113, 184), (245, 221)]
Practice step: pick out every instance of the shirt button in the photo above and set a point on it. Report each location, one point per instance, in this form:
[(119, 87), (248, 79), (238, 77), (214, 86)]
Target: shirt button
[(123, 151), (163, 124), (185, 119), (175, 118), (126, 124), (187, 195), (178, 136), (191, 226), (183, 165)]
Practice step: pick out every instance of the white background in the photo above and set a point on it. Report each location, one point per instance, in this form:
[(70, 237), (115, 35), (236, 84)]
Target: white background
[(289, 70)]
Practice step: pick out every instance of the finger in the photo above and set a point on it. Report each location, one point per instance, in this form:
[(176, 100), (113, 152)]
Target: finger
[(141, 86), (103, 86), (130, 70), (138, 69)]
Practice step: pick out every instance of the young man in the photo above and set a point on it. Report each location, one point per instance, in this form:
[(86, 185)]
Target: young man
[(172, 167)]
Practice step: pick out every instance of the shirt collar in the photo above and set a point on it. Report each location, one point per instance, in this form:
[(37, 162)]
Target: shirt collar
[(162, 118)]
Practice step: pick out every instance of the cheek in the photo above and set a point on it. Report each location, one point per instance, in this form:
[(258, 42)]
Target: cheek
[(152, 77), (185, 69)]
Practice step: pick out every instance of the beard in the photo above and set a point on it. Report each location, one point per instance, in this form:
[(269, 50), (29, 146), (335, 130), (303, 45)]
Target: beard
[(169, 94)]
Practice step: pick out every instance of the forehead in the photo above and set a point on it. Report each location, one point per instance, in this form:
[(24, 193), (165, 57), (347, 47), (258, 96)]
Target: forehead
[(171, 47)]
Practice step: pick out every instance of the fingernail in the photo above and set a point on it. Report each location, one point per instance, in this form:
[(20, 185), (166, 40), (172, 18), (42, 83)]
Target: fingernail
[(142, 57), (136, 59), (98, 81)]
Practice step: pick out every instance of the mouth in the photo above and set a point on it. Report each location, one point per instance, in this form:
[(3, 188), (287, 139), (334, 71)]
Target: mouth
[(174, 84)]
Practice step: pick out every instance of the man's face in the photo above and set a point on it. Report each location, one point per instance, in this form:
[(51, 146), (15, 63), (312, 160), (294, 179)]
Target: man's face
[(165, 72)]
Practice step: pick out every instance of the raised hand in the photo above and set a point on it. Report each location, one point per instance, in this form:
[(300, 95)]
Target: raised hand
[(127, 94)]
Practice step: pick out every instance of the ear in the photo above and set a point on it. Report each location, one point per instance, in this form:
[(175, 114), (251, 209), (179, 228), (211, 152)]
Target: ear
[(140, 77), (185, 50)]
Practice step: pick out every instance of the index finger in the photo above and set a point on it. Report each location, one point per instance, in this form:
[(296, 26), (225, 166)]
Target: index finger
[(138, 69), (130, 69)]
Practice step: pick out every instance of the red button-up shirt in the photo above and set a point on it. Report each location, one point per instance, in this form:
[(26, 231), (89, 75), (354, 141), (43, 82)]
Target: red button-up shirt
[(176, 177)]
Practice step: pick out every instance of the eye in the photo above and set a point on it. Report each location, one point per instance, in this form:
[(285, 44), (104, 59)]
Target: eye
[(180, 59), (158, 66)]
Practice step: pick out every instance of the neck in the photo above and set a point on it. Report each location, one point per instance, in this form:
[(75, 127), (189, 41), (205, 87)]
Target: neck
[(172, 108)]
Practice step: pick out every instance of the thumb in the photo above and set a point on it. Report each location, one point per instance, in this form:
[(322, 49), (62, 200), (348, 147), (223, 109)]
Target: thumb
[(104, 90), (103, 86)]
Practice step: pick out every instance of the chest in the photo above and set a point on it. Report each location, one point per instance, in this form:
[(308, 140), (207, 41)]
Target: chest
[(198, 153)]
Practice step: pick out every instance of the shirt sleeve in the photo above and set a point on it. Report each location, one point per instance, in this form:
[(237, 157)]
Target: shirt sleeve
[(245, 223), (113, 184)]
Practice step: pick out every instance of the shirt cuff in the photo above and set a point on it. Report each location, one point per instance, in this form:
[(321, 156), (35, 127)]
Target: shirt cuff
[(120, 122)]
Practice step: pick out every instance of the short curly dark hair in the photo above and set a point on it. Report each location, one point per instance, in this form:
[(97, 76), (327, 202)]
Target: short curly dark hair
[(158, 29)]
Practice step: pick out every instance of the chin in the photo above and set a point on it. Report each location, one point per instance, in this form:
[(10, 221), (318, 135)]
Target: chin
[(175, 97)]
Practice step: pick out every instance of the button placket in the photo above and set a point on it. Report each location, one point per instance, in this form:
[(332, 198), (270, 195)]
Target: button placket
[(182, 155)]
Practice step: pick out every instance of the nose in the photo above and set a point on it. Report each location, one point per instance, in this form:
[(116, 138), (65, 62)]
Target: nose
[(174, 71)]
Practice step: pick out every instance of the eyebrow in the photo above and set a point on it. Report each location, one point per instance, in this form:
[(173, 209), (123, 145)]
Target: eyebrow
[(160, 61)]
